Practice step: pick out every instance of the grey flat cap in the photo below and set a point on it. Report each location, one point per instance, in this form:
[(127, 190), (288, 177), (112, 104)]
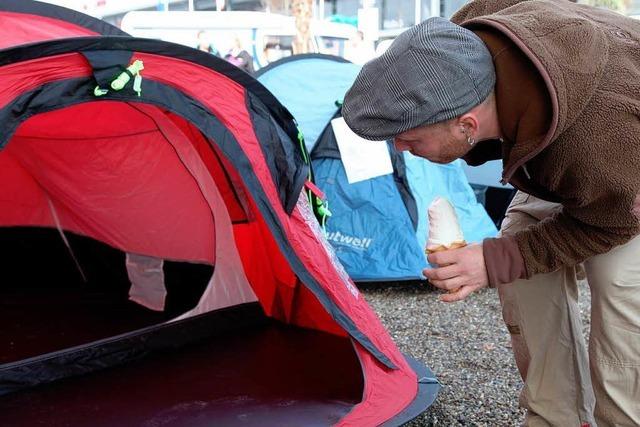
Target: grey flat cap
[(434, 71)]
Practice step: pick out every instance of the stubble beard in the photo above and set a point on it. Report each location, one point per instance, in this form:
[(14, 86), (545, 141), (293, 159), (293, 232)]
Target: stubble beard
[(452, 149)]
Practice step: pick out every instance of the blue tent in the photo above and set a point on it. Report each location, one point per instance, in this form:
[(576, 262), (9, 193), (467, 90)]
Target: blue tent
[(379, 226)]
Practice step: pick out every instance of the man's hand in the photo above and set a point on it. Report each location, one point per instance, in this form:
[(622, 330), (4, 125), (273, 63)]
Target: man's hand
[(460, 269)]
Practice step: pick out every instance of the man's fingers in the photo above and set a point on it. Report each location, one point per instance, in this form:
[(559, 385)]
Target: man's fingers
[(449, 256), (441, 273), (449, 284), (461, 294)]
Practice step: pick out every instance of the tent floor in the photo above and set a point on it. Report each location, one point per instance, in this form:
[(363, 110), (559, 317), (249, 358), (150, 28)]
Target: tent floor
[(268, 375), (72, 318)]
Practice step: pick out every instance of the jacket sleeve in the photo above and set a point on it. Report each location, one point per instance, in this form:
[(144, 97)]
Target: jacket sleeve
[(503, 260)]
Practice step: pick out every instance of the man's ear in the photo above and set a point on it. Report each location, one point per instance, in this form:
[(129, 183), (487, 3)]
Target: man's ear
[(468, 124)]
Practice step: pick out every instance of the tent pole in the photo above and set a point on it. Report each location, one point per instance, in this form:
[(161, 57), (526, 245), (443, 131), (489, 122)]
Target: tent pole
[(56, 220)]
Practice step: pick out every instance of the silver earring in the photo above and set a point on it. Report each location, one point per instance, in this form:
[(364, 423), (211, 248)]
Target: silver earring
[(471, 141)]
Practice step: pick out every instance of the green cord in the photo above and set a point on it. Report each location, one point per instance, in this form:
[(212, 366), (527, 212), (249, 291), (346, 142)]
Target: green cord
[(123, 78), (133, 70), (303, 147), (99, 91), (324, 212), (320, 207), (324, 225)]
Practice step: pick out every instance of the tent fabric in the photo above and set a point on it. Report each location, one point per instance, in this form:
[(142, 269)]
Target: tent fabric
[(289, 172), (23, 22), (290, 86), (381, 230), (36, 29), (383, 215), (225, 134), (129, 170), (72, 167)]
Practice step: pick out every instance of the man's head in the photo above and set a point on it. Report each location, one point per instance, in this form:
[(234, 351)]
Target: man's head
[(432, 75), (446, 141)]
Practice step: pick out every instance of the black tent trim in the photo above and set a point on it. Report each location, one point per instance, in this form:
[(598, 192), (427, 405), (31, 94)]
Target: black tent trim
[(63, 14), (428, 387), (65, 93), (288, 191), (157, 47), (402, 183), (277, 154)]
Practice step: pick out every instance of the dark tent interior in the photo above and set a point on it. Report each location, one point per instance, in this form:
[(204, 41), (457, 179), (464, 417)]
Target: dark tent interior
[(94, 357)]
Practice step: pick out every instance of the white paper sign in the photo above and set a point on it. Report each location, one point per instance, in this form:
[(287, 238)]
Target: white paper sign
[(362, 159)]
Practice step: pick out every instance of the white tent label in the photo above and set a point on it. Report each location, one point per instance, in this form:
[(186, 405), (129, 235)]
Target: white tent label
[(362, 159), (147, 281)]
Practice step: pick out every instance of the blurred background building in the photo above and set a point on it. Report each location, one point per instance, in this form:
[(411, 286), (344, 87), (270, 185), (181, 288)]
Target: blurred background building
[(390, 14), (376, 17), (271, 29)]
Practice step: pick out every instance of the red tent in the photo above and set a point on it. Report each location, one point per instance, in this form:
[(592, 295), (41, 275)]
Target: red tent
[(161, 262)]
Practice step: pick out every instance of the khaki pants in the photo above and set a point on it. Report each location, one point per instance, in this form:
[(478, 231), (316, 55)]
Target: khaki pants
[(563, 384)]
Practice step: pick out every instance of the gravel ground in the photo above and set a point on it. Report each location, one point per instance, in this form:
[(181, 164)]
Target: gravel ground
[(465, 344)]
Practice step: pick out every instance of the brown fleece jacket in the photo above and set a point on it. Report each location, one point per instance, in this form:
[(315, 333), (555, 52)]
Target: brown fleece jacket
[(524, 111), (588, 158)]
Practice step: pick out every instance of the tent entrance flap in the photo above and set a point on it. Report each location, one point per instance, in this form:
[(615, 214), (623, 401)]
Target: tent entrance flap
[(123, 182)]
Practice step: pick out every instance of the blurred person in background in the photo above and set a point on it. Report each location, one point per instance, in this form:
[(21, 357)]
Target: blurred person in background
[(358, 50), (240, 57), (553, 89), (204, 44)]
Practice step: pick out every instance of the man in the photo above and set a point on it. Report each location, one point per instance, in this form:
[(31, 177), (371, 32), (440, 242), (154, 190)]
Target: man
[(552, 88)]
